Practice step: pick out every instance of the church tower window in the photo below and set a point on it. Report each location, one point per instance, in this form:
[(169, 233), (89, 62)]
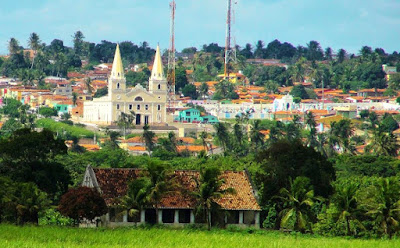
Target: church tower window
[(159, 86), (117, 106), (117, 85), (158, 107)]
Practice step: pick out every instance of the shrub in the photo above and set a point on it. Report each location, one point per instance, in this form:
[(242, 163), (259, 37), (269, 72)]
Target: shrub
[(82, 203)]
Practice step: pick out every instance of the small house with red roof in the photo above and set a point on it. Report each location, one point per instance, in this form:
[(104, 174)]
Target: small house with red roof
[(176, 207)]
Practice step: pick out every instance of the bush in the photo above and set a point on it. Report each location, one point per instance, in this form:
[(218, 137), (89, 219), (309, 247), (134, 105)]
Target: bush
[(82, 203), (47, 112), (54, 218)]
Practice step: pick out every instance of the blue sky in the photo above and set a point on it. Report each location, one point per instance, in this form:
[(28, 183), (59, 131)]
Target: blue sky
[(347, 24)]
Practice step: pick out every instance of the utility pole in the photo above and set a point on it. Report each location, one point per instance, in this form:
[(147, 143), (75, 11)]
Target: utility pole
[(171, 58), (230, 53)]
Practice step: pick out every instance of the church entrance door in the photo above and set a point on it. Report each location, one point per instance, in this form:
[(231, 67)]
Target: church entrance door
[(138, 119)]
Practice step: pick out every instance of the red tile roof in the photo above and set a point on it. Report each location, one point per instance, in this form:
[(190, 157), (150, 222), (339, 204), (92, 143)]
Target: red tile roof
[(113, 184)]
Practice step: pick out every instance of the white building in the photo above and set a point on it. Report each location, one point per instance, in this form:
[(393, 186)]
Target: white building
[(149, 106)]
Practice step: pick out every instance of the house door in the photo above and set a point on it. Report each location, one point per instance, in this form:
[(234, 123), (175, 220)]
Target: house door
[(138, 119), (146, 120)]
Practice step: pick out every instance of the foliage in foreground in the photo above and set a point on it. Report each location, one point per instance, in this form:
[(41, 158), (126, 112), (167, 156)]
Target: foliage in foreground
[(11, 236)]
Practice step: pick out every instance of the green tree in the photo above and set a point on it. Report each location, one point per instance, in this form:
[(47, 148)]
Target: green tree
[(297, 201), (79, 44), (34, 43), (209, 190), (29, 156), (383, 144), (222, 133), (125, 121), (382, 203), (299, 91), (190, 91), (148, 137), (285, 159), (137, 195), (13, 46), (345, 204), (161, 183), (180, 79), (257, 139), (29, 201), (48, 112), (203, 90), (388, 123)]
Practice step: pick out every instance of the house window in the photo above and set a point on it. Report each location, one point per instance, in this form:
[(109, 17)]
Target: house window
[(135, 217), (117, 106), (187, 113), (168, 215), (159, 86), (158, 107), (232, 217), (146, 107), (184, 216), (130, 106), (138, 107)]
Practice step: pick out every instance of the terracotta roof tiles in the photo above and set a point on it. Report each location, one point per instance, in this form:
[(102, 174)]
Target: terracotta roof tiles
[(113, 184)]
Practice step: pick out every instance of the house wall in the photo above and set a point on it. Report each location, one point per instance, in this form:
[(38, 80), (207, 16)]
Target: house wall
[(177, 217)]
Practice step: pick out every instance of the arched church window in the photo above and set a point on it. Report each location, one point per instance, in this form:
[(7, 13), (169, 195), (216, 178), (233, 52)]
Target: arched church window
[(138, 99), (118, 74), (117, 85), (159, 86)]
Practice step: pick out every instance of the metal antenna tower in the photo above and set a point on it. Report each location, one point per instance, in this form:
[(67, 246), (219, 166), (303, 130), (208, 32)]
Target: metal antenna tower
[(230, 52), (171, 57)]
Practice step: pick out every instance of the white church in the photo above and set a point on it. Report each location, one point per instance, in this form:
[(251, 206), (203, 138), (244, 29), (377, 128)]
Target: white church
[(149, 105)]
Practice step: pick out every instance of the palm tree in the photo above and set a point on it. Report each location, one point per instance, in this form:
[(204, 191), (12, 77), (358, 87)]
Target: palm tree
[(29, 201), (170, 143), (297, 200), (74, 98), (209, 190), (126, 121), (88, 83), (137, 194), (13, 46), (161, 183), (309, 120), (256, 137), (298, 70), (113, 144), (383, 144), (34, 44), (148, 137), (203, 137), (204, 90), (346, 204), (340, 134), (221, 131), (382, 203)]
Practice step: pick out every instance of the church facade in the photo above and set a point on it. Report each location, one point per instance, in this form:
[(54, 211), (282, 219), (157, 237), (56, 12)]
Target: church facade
[(149, 106)]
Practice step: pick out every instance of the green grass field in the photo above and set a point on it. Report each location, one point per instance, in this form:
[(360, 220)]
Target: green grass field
[(55, 126), (28, 236)]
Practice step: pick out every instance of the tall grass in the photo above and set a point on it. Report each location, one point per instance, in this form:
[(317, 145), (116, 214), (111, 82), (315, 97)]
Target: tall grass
[(27, 236)]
